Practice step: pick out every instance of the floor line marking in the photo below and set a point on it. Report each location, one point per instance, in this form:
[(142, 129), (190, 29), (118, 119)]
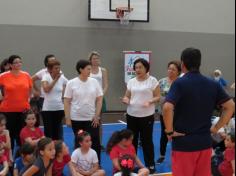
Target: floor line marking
[(122, 122)]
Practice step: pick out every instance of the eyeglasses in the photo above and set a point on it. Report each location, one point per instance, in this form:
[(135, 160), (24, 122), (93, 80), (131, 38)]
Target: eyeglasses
[(15, 63)]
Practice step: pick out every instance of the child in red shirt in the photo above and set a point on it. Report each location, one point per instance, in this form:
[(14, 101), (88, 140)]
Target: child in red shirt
[(62, 158), (120, 145), (30, 133), (4, 167), (5, 139), (227, 167)]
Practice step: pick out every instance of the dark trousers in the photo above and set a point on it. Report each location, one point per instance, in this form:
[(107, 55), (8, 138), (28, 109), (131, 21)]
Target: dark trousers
[(94, 132), (164, 139), (15, 122), (52, 121), (143, 128)]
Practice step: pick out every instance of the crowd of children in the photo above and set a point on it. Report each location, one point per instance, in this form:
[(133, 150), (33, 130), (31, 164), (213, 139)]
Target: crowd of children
[(39, 155)]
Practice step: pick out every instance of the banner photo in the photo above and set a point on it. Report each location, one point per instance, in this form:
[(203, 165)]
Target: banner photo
[(130, 58)]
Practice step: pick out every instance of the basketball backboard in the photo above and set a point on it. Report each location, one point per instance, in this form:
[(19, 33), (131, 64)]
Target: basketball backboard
[(105, 10)]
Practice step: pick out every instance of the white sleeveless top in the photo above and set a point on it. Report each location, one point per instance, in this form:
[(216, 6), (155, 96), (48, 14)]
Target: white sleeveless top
[(98, 77)]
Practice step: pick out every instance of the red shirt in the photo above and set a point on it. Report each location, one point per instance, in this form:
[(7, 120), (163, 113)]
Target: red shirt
[(16, 89), (3, 138), (3, 159), (57, 169), (225, 167), (35, 134), (118, 152)]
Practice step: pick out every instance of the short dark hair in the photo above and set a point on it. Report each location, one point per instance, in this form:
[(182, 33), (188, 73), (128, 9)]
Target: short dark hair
[(3, 64), (144, 62), (47, 58), (12, 58), (52, 64), (191, 57), (27, 149), (81, 64), (177, 64), (2, 117)]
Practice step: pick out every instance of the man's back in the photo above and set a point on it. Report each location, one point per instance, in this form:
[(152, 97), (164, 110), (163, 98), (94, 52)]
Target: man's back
[(194, 97)]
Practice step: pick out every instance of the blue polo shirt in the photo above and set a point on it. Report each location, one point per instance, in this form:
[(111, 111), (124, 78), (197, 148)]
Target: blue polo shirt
[(194, 97)]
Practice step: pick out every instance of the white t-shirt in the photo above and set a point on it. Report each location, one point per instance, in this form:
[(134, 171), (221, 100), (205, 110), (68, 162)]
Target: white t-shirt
[(141, 92), (83, 95), (84, 161), (40, 75), (53, 99)]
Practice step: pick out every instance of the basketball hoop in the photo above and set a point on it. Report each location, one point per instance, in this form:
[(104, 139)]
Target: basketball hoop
[(123, 14)]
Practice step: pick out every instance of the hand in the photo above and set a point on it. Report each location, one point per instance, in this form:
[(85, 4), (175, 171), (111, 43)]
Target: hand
[(223, 135), (214, 130), (147, 104), (68, 122), (125, 100), (95, 122), (58, 76), (175, 135), (84, 173)]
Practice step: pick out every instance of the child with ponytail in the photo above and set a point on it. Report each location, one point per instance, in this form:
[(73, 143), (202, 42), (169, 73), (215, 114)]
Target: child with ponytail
[(119, 146), (84, 159)]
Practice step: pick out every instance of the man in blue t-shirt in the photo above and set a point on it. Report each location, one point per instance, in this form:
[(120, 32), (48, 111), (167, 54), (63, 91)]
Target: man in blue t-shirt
[(187, 115)]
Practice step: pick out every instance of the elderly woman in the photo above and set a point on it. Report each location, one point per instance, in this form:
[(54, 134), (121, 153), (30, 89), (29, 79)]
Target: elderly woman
[(17, 86), (83, 104), (53, 83), (219, 78), (142, 93), (173, 72)]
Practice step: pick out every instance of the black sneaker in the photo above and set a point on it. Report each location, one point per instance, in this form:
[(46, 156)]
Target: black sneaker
[(160, 160), (152, 169)]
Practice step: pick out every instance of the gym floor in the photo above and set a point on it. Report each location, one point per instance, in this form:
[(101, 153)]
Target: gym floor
[(116, 121)]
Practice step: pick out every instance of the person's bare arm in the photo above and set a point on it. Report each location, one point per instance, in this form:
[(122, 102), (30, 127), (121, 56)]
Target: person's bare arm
[(139, 163), (5, 169), (228, 111), (105, 80), (116, 164), (126, 98), (31, 141), (31, 171), (49, 172), (233, 166), (168, 115), (156, 97), (72, 168), (67, 107), (15, 172), (47, 87), (8, 141), (35, 78), (96, 119), (94, 169)]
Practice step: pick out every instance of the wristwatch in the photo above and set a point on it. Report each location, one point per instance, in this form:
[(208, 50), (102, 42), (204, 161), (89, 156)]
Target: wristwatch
[(169, 133)]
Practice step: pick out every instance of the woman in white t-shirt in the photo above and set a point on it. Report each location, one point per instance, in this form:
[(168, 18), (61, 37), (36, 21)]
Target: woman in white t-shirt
[(83, 104), (53, 84), (143, 92)]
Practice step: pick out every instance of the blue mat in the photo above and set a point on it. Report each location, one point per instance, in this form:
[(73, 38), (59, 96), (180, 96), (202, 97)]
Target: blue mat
[(108, 129)]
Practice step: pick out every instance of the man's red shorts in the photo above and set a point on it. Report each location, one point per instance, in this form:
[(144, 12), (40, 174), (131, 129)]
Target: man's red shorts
[(192, 163)]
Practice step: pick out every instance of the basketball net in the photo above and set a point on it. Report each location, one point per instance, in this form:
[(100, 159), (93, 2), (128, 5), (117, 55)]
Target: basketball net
[(123, 14)]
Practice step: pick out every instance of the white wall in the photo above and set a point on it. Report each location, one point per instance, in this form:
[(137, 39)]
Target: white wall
[(207, 16)]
